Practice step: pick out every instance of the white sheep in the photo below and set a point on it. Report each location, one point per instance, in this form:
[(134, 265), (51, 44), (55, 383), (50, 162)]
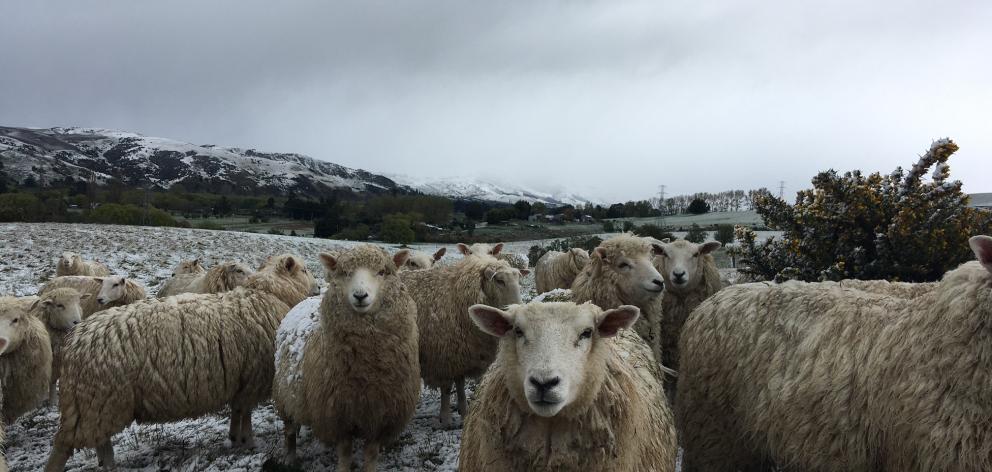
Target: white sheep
[(569, 391), (824, 377), (219, 278), (179, 357), (359, 377), (60, 310), (192, 266), (515, 260), (691, 276), (620, 272), (71, 263), (25, 359), (105, 292), (451, 347), (558, 269), (419, 260)]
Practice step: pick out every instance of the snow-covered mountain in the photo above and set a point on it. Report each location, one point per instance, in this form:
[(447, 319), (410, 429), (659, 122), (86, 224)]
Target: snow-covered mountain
[(479, 189), (53, 154), (49, 155)]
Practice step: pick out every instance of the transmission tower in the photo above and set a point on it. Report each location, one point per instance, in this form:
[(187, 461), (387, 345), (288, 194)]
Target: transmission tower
[(781, 189)]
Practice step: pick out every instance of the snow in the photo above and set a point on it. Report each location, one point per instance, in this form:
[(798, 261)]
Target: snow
[(488, 190)]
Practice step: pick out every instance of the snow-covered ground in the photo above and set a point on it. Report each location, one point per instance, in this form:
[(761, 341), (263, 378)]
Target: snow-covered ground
[(27, 259)]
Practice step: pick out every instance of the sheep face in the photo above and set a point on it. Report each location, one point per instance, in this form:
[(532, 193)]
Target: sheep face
[(637, 279), (681, 263), (188, 267), (552, 349), (12, 328), (111, 289), (359, 277), (480, 249), (70, 260), (235, 275), (62, 308), (418, 260), (501, 284), (982, 247), (579, 257)]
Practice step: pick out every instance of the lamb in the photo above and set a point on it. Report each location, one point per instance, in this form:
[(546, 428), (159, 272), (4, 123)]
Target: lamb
[(558, 269), (71, 263), (189, 267), (104, 292), (451, 348), (620, 272), (179, 357), (220, 278), (418, 260), (60, 310), (571, 389), (819, 377), (516, 261), (691, 276), (360, 375), (25, 359)]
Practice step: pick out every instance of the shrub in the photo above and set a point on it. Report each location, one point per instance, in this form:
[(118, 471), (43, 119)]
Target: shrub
[(698, 206), (654, 231), (396, 229), (724, 234), (608, 227), (868, 227), (355, 233), (19, 207), (127, 214), (627, 226), (275, 231), (696, 234)]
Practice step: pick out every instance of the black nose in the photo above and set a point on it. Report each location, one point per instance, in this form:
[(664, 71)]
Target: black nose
[(360, 296), (679, 275), (543, 387), (659, 283)]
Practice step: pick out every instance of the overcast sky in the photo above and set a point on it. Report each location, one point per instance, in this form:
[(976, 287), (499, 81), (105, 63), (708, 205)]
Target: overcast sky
[(604, 99)]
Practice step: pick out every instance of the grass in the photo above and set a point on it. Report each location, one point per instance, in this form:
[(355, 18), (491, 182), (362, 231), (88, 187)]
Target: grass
[(747, 218)]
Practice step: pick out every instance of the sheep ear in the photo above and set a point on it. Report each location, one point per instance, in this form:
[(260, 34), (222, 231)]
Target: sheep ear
[(290, 263), (658, 249), (710, 247), (491, 320), (84, 296), (524, 272), (43, 302), (612, 321), (982, 246), (35, 304), (462, 248), (98, 279), (440, 253), (196, 261), (600, 252), (328, 261), (496, 249), (489, 273), (400, 257)]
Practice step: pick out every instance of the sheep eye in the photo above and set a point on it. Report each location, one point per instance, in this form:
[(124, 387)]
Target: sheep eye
[(623, 265), (62, 307), (382, 272), (695, 255), (500, 281), (116, 285), (586, 334), (15, 321)]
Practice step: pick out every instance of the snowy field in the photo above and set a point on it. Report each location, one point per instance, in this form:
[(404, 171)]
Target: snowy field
[(27, 260)]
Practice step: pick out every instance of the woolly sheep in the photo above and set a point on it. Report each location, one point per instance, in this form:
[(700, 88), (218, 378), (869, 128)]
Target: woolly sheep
[(896, 289), (360, 376), (418, 260), (3, 460), (60, 310), (516, 261), (819, 377), (570, 390), (451, 347), (558, 269), (179, 357), (189, 267), (25, 359), (73, 264), (220, 278), (620, 272), (105, 292), (691, 276)]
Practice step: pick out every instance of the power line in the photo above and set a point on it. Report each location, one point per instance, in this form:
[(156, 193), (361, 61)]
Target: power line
[(781, 189)]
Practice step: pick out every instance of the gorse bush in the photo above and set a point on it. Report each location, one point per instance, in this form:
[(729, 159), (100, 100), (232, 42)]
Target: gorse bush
[(894, 226)]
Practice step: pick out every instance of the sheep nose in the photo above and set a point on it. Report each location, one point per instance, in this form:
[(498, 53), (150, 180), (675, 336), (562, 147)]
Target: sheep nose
[(100, 301), (660, 284), (543, 387), (678, 275), (74, 323), (360, 296)]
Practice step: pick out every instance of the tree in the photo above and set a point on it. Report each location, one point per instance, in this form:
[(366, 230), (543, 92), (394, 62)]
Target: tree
[(698, 207), (523, 208), (894, 226), (627, 226), (608, 227), (475, 211), (538, 208), (724, 234), (696, 234), (653, 231), (396, 229)]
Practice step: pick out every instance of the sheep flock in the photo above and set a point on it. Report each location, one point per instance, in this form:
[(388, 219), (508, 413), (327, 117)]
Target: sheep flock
[(274, 353)]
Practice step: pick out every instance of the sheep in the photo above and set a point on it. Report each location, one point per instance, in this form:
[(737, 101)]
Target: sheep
[(571, 389), (179, 357), (105, 292), (360, 376), (620, 272), (60, 310), (418, 260), (25, 359), (220, 278), (73, 264), (3, 460), (451, 348), (189, 267), (896, 289), (558, 269), (516, 261), (691, 276), (820, 377)]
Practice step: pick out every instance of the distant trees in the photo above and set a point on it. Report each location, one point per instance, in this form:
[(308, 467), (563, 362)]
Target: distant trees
[(396, 229), (698, 207), (724, 234), (729, 200), (523, 208), (653, 231)]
